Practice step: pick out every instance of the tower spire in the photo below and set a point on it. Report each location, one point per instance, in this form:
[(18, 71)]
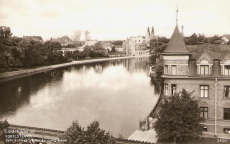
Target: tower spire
[(176, 15)]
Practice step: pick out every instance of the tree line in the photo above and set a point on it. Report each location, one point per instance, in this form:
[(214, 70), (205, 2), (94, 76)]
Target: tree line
[(195, 39), (22, 52), (26, 52)]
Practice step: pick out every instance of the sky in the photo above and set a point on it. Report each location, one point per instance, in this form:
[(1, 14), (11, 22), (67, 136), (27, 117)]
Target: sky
[(113, 19)]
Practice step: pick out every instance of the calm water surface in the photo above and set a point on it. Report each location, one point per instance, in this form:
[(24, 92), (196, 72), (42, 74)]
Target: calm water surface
[(115, 93)]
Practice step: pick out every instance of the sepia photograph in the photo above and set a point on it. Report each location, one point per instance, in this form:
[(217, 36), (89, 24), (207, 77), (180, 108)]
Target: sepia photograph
[(114, 72)]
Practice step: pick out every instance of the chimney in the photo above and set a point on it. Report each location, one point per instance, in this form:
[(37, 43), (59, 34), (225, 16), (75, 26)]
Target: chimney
[(182, 31)]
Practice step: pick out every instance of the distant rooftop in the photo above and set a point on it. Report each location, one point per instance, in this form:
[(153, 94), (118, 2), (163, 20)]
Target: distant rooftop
[(144, 136)]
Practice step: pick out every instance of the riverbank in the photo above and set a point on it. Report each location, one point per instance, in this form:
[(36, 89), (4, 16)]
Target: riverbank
[(50, 67)]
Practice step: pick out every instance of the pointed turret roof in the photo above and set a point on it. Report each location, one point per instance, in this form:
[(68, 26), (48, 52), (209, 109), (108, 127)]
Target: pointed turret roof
[(176, 43)]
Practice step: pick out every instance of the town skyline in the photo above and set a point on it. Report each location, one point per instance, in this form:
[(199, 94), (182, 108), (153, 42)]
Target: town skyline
[(112, 20)]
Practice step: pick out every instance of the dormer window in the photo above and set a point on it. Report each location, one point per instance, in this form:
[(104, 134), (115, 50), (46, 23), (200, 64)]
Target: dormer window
[(227, 70), (204, 65), (204, 69)]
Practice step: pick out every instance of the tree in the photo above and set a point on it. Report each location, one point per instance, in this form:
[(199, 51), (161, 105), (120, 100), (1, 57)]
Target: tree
[(113, 49), (163, 39), (179, 117), (117, 42), (215, 38), (75, 134), (5, 32), (201, 38), (192, 40)]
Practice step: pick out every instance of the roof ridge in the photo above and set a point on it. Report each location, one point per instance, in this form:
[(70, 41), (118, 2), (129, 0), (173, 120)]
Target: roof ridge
[(13, 125)]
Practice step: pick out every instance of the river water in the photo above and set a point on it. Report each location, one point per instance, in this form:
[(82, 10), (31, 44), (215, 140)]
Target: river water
[(116, 93)]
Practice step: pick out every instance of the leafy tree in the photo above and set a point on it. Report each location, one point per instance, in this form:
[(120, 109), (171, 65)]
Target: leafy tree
[(161, 48), (113, 49), (179, 118), (97, 135), (117, 42), (5, 32), (68, 55), (192, 40), (228, 43), (98, 46), (3, 125), (201, 38), (75, 134), (163, 39), (5, 43), (33, 58), (214, 38)]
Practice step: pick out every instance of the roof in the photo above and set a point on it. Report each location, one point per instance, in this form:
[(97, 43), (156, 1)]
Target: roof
[(176, 43), (214, 51), (146, 136), (90, 43), (138, 39)]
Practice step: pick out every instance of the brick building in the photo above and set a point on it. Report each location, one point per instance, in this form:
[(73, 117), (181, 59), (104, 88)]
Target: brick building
[(205, 70)]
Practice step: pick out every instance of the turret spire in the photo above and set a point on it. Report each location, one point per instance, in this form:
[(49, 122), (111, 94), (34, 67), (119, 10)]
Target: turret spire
[(176, 15)]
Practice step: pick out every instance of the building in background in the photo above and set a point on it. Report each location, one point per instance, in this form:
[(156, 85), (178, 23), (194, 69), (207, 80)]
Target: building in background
[(136, 46), (64, 41)]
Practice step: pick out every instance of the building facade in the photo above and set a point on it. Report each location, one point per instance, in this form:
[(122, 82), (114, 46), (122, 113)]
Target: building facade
[(205, 71), (136, 46)]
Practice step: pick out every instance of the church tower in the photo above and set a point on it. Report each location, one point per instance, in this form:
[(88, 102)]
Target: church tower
[(176, 55), (147, 37), (152, 32)]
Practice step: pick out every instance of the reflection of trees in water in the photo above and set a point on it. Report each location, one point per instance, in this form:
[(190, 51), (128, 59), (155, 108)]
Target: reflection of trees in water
[(16, 93)]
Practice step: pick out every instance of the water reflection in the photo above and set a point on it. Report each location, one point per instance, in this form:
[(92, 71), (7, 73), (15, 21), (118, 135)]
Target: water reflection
[(116, 93)]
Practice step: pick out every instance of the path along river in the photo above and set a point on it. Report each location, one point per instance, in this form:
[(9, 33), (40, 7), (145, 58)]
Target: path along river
[(116, 93)]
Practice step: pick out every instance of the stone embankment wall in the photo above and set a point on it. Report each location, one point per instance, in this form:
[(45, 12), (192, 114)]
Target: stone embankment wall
[(50, 67)]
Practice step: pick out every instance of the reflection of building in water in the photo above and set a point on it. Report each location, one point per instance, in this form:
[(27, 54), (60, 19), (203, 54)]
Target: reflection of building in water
[(204, 69), (137, 64)]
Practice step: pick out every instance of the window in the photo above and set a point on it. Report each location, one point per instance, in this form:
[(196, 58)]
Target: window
[(204, 69), (204, 112), (204, 91), (173, 69), (205, 129), (166, 69), (227, 130), (173, 86), (166, 89), (227, 113), (227, 70), (227, 91), (19, 91)]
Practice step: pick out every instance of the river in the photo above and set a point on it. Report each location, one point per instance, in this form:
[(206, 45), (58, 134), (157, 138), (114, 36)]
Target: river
[(116, 93)]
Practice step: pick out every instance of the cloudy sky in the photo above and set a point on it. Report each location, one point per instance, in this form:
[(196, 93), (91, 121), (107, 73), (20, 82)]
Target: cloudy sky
[(114, 19)]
